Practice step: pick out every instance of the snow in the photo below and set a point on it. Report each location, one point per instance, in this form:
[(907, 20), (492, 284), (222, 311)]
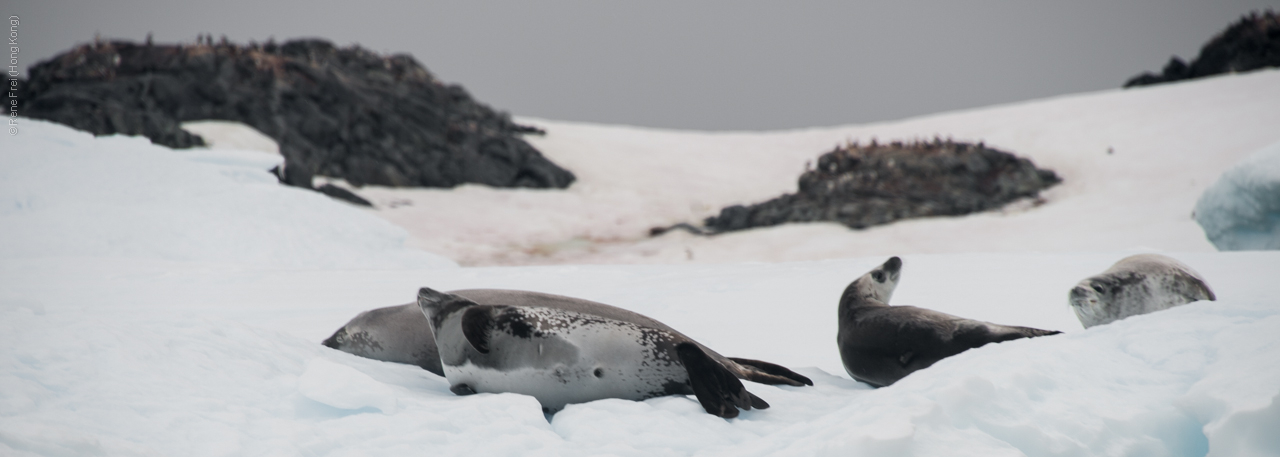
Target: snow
[(66, 193), (155, 302), (232, 135), (1167, 144), (1242, 210)]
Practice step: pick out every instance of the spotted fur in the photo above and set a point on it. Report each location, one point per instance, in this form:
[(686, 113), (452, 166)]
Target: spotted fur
[(1138, 284), (562, 350)]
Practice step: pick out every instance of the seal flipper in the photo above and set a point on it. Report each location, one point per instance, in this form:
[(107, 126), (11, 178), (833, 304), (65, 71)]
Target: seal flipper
[(975, 334), (771, 374), (477, 322), (462, 390), (718, 390)]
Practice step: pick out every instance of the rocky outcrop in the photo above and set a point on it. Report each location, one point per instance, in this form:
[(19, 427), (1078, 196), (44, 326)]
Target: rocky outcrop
[(863, 186), (1250, 44), (341, 112)]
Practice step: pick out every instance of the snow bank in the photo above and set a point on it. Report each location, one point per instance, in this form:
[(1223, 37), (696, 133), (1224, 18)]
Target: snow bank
[(66, 193), (224, 361), (1242, 210)]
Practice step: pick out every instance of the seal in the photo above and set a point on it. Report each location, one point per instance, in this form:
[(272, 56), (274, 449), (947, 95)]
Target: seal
[(880, 344), (1138, 284), (564, 350), (398, 334)]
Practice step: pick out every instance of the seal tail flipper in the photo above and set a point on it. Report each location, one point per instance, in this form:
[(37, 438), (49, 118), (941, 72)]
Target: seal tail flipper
[(771, 374), (718, 390), (974, 334), (1028, 332)]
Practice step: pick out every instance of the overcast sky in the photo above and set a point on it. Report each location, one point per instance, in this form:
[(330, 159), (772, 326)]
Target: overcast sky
[(707, 65)]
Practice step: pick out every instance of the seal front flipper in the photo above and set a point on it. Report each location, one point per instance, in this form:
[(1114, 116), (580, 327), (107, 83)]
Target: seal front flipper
[(462, 390), (718, 390), (477, 322), (771, 374)]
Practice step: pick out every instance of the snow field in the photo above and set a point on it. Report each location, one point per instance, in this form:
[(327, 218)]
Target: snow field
[(1167, 144)]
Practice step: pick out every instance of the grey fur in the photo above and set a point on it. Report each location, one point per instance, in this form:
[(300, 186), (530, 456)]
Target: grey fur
[(398, 334), (881, 344), (1138, 284)]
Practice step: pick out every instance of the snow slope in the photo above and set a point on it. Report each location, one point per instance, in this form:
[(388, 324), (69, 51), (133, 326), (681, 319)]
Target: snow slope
[(155, 302), (1167, 144), (66, 193)]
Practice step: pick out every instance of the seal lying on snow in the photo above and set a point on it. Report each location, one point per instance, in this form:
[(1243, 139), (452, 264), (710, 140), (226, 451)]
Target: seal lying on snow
[(1138, 284), (564, 350), (393, 334), (880, 344)]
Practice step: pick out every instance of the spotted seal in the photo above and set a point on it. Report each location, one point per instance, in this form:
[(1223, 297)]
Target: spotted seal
[(564, 350)]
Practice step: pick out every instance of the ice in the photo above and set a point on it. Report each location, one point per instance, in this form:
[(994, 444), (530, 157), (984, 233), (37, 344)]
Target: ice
[(343, 387), (1242, 210), (1248, 433)]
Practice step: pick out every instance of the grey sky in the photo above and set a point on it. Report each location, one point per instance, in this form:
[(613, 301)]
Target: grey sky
[(710, 65)]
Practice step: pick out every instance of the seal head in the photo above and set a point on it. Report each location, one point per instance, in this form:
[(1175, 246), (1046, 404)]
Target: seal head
[(397, 334), (1138, 284)]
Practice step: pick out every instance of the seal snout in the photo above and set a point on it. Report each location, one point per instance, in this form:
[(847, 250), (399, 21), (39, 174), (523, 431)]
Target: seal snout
[(335, 341), (1082, 296), (429, 298), (893, 265)]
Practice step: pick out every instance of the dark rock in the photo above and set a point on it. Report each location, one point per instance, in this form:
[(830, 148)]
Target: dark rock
[(343, 194), (878, 184), (1250, 44), (340, 112)]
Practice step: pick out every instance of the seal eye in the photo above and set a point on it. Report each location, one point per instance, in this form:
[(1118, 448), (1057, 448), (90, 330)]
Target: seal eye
[(878, 275), (599, 372), (1097, 288)]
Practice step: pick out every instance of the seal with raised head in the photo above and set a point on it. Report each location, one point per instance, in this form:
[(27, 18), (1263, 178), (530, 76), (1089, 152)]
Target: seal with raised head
[(398, 334), (563, 350), (880, 344), (1138, 284)]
